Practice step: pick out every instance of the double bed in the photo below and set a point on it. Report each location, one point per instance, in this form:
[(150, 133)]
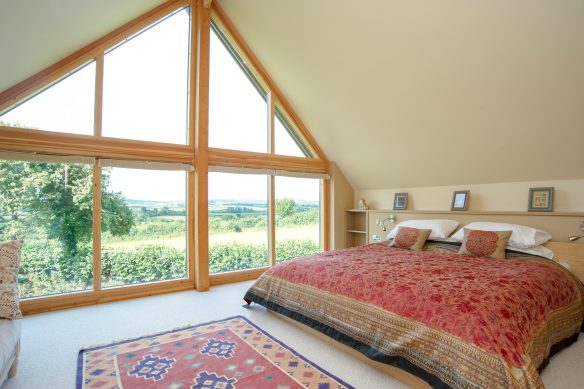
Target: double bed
[(453, 321)]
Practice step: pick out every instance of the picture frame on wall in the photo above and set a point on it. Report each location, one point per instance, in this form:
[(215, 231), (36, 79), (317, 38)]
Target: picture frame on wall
[(541, 199), (400, 201), (460, 200)]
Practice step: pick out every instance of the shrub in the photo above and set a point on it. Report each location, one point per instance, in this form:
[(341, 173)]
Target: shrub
[(42, 272), (236, 256), (145, 263)]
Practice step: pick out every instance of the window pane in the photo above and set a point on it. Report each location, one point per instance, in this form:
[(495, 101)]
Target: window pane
[(145, 93), (238, 114), (238, 221), (67, 106), (284, 144), (143, 223), (297, 217), (50, 207)]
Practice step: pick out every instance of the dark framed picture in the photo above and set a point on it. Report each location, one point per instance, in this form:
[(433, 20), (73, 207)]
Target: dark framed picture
[(460, 200), (400, 201), (541, 199)]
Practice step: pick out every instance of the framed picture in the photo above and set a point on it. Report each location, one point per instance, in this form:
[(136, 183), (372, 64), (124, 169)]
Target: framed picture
[(400, 201), (541, 199), (460, 200)]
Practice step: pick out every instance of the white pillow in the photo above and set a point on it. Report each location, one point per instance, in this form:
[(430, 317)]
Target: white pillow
[(523, 237), (536, 250), (441, 228)]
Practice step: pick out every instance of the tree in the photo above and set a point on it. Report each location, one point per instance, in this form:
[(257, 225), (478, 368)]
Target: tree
[(286, 207), (59, 197), (12, 196)]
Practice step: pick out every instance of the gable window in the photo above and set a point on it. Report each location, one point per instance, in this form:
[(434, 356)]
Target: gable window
[(145, 83), (238, 114), (97, 165), (276, 215), (66, 105)]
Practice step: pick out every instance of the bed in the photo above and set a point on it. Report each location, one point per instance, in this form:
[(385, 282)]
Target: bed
[(453, 321)]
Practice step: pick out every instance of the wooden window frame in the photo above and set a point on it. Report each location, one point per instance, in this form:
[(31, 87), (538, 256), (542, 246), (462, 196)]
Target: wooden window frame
[(197, 152)]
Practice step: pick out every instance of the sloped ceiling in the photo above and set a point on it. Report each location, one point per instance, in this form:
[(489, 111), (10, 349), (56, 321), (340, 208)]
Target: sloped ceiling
[(36, 34), (424, 93), (398, 93)]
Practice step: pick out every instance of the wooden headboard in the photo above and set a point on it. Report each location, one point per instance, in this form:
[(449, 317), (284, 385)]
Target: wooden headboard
[(560, 225), (570, 252)]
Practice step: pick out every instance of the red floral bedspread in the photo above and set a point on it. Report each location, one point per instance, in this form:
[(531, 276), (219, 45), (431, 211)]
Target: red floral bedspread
[(496, 305)]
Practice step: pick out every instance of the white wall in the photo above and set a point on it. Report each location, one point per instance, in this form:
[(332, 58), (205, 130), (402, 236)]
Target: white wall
[(509, 196)]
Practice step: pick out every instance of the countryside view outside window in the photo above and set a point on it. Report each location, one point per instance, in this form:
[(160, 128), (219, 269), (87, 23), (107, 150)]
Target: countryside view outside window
[(51, 201)]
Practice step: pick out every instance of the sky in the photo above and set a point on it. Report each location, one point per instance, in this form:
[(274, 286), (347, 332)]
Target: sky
[(151, 72)]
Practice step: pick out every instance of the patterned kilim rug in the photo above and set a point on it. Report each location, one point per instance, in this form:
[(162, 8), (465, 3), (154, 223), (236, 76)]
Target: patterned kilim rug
[(232, 353)]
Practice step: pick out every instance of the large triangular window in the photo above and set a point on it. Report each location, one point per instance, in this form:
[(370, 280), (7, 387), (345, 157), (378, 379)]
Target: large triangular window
[(239, 105), (64, 106), (238, 113)]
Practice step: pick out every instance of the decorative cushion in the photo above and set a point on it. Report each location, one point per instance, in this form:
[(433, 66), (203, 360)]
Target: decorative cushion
[(9, 265), (410, 238), (487, 244)]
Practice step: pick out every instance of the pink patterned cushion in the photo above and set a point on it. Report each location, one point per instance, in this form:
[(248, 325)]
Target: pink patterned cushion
[(9, 265), (486, 244), (410, 238)]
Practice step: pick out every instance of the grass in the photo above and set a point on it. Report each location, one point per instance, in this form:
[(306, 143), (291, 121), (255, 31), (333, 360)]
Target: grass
[(249, 236)]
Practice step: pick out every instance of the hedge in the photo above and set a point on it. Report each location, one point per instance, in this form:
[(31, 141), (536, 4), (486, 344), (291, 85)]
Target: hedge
[(43, 270)]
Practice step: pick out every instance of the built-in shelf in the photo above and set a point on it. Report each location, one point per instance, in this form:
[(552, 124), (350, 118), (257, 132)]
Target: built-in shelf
[(364, 226), (356, 224)]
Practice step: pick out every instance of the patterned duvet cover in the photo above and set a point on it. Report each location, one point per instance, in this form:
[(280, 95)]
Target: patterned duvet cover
[(455, 321)]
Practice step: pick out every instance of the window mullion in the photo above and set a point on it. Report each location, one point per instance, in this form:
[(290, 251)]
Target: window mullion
[(271, 220), (271, 120), (97, 120), (96, 226)]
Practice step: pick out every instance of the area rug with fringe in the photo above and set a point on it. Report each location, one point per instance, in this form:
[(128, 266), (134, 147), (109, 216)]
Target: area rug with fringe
[(224, 354)]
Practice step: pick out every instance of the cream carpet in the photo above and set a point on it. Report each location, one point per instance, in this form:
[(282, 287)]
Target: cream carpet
[(51, 341)]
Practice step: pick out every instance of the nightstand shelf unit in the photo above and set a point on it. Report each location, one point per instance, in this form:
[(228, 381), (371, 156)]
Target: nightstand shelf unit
[(356, 225)]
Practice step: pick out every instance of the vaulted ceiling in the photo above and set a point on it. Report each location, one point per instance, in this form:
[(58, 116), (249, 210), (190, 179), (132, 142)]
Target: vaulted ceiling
[(398, 93)]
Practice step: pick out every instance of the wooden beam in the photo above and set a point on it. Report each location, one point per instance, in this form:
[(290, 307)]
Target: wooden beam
[(54, 72), (192, 177), (207, 3), (203, 30), (225, 157), (247, 52), (78, 299), (18, 139), (236, 276)]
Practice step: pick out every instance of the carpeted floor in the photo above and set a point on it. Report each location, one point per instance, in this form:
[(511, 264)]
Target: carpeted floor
[(51, 341)]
